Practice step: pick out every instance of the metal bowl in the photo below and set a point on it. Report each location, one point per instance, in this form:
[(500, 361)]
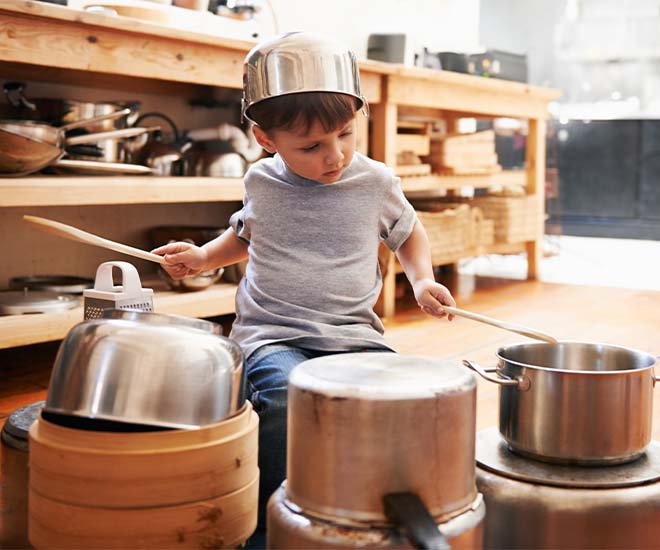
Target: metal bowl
[(299, 62), (147, 369)]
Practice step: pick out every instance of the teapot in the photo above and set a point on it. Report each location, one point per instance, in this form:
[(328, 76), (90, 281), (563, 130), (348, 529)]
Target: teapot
[(222, 151), (164, 157)]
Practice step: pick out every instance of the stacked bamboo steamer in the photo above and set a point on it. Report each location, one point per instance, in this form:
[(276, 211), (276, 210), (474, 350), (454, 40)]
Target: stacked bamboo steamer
[(173, 488)]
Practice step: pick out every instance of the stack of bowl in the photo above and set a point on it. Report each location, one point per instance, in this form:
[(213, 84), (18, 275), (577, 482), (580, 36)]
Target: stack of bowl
[(145, 439)]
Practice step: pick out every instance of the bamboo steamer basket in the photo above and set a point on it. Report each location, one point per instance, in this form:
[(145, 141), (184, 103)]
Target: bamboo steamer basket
[(148, 469), (221, 522)]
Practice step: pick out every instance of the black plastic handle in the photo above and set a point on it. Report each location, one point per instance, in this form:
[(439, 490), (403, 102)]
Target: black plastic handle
[(408, 513)]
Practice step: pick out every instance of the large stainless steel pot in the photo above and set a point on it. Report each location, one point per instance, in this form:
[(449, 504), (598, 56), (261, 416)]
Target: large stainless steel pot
[(147, 369), (365, 425), (574, 402)]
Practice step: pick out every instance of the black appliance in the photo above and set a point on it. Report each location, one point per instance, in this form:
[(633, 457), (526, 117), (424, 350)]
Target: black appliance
[(499, 64)]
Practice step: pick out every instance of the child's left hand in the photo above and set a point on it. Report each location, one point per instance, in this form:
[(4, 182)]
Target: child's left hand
[(430, 295)]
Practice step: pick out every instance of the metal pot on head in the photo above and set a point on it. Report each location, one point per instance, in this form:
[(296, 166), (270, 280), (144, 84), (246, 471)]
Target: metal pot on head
[(574, 402)]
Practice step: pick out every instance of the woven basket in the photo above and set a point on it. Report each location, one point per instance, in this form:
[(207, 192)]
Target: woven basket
[(449, 232), (516, 218)]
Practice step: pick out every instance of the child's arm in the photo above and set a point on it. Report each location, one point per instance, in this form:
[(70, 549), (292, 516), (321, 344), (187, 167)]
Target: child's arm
[(415, 257), (186, 259)]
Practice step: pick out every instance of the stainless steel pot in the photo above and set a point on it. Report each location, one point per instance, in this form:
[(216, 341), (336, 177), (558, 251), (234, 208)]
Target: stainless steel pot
[(147, 369), (299, 62), (365, 425), (57, 111), (574, 402)]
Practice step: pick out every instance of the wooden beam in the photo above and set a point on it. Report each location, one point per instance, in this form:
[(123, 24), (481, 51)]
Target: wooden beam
[(535, 159)]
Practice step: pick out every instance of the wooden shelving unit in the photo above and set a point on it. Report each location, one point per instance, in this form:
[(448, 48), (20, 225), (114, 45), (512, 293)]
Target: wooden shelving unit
[(52, 43), (87, 191), (434, 183)]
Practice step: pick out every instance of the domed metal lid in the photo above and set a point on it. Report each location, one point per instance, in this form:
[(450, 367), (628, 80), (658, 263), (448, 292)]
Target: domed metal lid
[(382, 376), (298, 62)]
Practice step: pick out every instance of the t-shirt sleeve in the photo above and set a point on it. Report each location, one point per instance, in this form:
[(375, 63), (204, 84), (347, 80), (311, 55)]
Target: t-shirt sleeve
[(238, 221), (397, 217)]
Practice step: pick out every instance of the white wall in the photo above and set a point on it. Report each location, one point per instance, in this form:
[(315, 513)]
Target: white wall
[(440, 25)]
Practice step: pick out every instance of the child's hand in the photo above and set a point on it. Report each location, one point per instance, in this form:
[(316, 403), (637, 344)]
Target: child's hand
[(430, 295), (183, 259)]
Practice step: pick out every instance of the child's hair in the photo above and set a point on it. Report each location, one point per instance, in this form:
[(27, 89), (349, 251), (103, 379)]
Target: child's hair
[(300, 110)]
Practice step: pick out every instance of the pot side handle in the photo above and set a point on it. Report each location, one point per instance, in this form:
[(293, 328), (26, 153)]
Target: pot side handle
[(522, 382)]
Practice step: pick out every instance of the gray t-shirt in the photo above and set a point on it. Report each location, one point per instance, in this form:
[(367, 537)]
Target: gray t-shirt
[(313, 277)]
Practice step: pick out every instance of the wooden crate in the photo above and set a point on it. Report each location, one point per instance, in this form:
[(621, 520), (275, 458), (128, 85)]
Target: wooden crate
[(516, 218)]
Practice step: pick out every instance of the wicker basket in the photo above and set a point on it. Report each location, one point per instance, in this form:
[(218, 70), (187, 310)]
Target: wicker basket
[(449, 232), (516, 218)]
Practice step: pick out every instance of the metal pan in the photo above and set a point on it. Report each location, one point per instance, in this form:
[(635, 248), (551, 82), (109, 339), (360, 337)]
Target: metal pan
[(55, 135), (21, 155), (65, 284), (574, 402)]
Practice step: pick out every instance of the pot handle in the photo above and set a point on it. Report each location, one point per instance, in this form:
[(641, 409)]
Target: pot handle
[(522, 382), (408, 513)]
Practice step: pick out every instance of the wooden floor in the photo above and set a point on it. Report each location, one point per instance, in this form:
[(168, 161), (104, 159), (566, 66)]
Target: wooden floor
[(569, 312)]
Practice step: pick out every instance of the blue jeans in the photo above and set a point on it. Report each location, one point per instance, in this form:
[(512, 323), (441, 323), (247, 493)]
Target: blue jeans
[(268, 371)]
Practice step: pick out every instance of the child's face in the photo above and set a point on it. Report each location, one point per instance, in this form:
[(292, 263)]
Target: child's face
[(316, 155)]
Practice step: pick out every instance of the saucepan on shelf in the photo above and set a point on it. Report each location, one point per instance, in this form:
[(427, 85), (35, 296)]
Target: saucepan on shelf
[(29, 146), (59, 111)]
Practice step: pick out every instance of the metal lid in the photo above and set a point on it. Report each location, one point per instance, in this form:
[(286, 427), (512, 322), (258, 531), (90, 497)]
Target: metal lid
[(13, 302), (382, 376), (299, 62), (494, 455), (67, 284)]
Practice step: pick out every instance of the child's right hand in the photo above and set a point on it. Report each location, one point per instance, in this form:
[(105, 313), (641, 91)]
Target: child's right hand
[(183, 259)]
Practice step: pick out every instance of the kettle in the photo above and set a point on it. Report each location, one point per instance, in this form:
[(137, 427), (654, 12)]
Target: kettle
[(163, 157), (222, 151)]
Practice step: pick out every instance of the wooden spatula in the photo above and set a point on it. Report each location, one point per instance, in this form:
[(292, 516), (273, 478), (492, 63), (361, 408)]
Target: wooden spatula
[(75, 234), (525, 331)]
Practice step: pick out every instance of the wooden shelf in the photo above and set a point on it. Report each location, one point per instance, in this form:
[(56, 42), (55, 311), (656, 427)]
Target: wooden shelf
[(67, 191), (498, 248), (436, 183), (21, 330)]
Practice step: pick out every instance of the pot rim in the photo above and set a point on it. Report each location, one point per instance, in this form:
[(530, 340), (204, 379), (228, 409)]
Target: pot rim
[(577, 372)]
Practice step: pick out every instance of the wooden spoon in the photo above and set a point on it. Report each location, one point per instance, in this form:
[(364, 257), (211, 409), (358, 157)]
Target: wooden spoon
[(75, 234), (525, 331)]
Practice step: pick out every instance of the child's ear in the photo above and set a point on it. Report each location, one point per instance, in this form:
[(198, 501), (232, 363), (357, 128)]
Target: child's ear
[(263, 139)]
